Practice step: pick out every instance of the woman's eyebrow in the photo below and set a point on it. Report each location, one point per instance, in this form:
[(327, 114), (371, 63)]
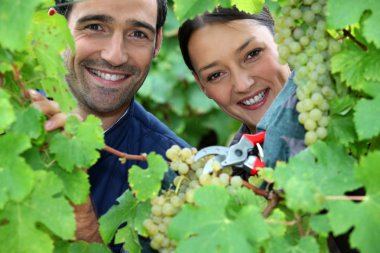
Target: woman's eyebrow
[(245, 44)]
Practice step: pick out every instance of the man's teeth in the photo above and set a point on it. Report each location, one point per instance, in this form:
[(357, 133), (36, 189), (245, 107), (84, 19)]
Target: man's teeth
[(258, 98), (107, 76)]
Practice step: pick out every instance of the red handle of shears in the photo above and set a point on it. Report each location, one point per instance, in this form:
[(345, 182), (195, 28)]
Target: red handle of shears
[(255, 138), (256, 166)]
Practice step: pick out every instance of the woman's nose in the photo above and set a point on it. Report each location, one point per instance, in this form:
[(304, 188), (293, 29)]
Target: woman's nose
[(243, 81)]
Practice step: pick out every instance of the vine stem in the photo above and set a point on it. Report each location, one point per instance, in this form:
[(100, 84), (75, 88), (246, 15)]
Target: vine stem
[(347, 33), (1, 80), (16, 75), (256, 190), (273, 202), (120, 154), (350, 198)]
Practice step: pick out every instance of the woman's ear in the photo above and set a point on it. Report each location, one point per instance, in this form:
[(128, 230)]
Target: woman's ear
[(199, 83)]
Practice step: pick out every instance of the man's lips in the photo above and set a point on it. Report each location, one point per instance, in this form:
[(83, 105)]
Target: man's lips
[(108, 76)]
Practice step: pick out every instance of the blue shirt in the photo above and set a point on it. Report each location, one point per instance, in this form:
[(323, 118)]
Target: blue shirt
[(138, 131)]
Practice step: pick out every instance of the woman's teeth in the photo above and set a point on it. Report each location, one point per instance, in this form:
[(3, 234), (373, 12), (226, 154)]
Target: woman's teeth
[(107, 76), (256, 99)]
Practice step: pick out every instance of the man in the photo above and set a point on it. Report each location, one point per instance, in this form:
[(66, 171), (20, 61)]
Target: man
[(115, 41)]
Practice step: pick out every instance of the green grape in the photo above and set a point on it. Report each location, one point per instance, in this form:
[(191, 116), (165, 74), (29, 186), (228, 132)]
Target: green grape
[(236, 182), (315, 114), (310, 137)]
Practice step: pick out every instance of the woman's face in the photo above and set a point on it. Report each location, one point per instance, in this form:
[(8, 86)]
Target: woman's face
[(236, 65)]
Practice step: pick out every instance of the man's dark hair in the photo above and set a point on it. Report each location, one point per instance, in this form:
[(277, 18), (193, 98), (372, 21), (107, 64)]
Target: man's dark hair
[(64, 7), (219, 15)]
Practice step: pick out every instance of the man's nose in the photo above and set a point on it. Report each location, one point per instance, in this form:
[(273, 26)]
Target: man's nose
[(115, 51)]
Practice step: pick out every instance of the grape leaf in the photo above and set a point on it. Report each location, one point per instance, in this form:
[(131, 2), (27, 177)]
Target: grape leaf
[(76, 185), (323, 169), (350, 64), (368, 173), (44, 206), (184, 9), (16, 19), (212, 230), (342, 13), (29, 122), (128, 210), (16, 176), (84, 247), (366, 231), (7, 113), (364, 217), (79, 149), (367, 122), (320, 224), (129, 236), (51, 37), (251, 6), (306, 244), (146, 183), (342, 129)]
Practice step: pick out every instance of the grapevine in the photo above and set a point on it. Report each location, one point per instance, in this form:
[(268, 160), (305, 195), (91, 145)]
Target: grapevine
[(323, 192), (305, 44), (191, 177)]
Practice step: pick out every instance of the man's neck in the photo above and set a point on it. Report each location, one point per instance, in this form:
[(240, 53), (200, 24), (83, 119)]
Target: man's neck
[(108, 119)]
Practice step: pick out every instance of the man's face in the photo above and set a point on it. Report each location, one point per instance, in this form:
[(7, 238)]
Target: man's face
[(115, 42)]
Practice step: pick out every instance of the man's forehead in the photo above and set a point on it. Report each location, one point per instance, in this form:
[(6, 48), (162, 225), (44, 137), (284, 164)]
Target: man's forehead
[(117, 9)]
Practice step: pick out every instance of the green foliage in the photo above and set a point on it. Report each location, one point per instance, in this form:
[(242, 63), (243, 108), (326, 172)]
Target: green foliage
[(213, 229), (343, 13), (145, 183), (41, 173), (77, 147), (44, 205), (15, 18), (128, 210)]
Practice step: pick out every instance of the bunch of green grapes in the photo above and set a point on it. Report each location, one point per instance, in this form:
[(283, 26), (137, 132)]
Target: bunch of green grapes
[(305, 44), (190, 177)]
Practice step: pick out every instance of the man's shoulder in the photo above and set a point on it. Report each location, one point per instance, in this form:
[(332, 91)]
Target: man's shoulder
[(150, 124)]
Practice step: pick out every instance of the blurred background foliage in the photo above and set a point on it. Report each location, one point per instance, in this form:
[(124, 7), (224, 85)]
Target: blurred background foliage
[(171, 94)]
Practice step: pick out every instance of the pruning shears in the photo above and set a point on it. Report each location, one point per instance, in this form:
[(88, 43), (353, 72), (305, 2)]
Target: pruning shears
[(237, 155)]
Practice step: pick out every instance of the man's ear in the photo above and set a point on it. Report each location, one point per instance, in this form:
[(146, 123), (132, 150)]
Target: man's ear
[(199, 83), (158, 43)]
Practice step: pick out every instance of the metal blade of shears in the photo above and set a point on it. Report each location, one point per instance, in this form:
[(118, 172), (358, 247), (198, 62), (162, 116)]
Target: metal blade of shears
[(208, 166), (212, 150)]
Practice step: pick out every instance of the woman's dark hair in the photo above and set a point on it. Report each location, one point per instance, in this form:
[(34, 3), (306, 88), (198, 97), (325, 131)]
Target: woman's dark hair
[(219, 15), (64, 7)]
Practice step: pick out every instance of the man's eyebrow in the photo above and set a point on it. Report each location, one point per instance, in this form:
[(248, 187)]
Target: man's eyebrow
[(245, 44), (138, 23), (100, 18)]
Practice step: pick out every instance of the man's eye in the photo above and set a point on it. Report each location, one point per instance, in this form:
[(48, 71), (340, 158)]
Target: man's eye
[(139, 34), (213, 76), (94, 27), (254, 53)]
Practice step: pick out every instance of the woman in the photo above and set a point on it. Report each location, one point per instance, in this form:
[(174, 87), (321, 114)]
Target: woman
[(234, 60)]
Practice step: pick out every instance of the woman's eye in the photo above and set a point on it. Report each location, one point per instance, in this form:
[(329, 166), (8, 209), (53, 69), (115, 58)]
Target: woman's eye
[(254, 53), (94, 27), (213, 76)]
